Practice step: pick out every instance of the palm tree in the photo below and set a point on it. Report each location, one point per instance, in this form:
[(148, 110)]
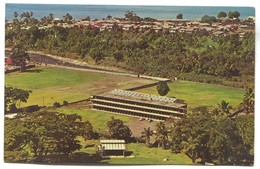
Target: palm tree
[(51, 16), (147, 133), (225, 107), (15, 14), (249, 101), (19, 56), (161, 134)]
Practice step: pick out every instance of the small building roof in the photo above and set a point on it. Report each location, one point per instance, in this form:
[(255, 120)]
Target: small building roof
[(113, 144), (112, 141)]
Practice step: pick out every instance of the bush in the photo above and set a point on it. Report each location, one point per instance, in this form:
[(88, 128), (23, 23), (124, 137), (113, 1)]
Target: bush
[(65, 103), (12, 108), (56, 104), (32, 108)]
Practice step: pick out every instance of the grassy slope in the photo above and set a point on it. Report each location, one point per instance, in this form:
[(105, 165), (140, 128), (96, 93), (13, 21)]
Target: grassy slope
[(56, 84), (142, 154), (201, 94), (98, 119)]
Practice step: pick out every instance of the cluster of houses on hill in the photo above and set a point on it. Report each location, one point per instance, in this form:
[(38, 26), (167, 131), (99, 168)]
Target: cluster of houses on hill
[(221, 27)]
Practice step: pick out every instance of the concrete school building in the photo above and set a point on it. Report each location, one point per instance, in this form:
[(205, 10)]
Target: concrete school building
[(139, 104)]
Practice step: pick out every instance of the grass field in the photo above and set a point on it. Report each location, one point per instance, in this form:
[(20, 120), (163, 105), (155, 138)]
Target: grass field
[(98, 119), (142, 154), (201, 94), (51, 85)]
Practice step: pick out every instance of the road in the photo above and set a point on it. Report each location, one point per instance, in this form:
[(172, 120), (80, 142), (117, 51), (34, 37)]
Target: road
[(55, 61)]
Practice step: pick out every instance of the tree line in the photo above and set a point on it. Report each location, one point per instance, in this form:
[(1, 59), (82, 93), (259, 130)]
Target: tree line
[(163, 54)]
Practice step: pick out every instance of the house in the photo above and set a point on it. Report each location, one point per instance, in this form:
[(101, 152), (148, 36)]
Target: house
[(8, 61)]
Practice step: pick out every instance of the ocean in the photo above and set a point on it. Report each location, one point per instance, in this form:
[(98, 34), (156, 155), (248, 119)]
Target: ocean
[(101, 11)]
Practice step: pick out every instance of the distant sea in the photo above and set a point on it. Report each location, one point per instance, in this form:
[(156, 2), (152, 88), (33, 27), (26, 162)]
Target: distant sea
[(101, 11)]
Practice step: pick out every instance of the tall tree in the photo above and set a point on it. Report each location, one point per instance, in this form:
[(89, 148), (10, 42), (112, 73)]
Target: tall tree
[(161, 134), (118, 130), (15, 15), (147, 134), (179, 16), (233, 14), (225, 107), (248, 103), (43, 133), (222, 14), (13, 96), (19, 56), (162, 88)]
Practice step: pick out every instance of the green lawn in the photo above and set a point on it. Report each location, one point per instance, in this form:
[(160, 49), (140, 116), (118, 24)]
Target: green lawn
[(202, 94), (142, 154), (51, 85), (98, 119)]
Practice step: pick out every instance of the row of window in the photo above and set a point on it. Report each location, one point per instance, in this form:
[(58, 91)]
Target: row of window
[(137, 108), (182, 110), (128, 112)]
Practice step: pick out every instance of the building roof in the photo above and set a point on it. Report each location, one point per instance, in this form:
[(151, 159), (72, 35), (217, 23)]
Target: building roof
[(144, 98), (113, 144), (112, 141)]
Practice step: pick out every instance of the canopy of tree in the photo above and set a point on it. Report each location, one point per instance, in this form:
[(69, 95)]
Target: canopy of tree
[(14, 96), (160, 54), (233, 14), (222, 14), (162, 88), (19, 56), (211, 138), (118, 130), (208, 19), (179, 16), (43, 133)]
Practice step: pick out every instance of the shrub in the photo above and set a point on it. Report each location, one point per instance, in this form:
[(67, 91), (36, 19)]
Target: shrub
[(65, 103), (12, 108), (56, 104), (32, 108)]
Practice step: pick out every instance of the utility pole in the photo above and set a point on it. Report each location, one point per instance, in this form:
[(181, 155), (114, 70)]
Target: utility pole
[(43, 100)]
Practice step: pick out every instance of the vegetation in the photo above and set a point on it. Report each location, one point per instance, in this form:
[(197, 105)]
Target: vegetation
[(42, 133), (195, 56), (19, 56), (233, 14), (147, 134), (150, 156), (49, 84), (222, 14), (248, 103), (117, 129), (205, 135), (162, 88), (245, 124), (210, 138), (162, 135), (14, 96), (224, 107), (201, 94), (179, 16), (208, 19), (98, 119)]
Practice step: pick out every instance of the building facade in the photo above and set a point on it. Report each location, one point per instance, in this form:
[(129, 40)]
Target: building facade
[(139, 104)]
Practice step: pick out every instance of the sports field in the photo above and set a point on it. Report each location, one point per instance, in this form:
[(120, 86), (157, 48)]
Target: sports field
[(51, 85), (201, 94)]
